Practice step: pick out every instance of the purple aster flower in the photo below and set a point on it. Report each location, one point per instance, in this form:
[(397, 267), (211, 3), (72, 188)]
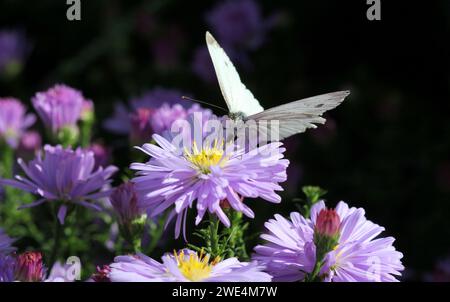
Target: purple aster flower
[(209, 174), (13, 120), (290, 251), (185, 266), (126, 203), (121, 121), (63, 175), (59, 107), (14, 47), (147, 120), (7, 265), (5, 243), (238, 23), (165, 116)]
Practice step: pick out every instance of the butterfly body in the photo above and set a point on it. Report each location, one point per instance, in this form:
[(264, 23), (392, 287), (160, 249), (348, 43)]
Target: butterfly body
[(237, 116)]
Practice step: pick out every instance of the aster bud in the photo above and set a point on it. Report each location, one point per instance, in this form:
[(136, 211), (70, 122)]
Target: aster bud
[(29, 267), (327, 223), (68, 136), (131, 213), (87, 111), (326, 232)]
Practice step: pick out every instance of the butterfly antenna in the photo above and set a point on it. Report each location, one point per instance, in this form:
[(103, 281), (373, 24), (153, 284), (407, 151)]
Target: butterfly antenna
[(202, 102)]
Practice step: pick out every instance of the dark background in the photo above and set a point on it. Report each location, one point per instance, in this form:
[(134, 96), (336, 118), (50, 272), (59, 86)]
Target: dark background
[(386, 148)]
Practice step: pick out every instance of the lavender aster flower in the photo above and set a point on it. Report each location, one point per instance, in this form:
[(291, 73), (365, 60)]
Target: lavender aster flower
[(63, 175), (59, 107), (5, 243), (209, 174), (119, 123), (290, 249), (147, 120), (7, 265), (126, 119), (14, 47), (185, 266), (13, 120)]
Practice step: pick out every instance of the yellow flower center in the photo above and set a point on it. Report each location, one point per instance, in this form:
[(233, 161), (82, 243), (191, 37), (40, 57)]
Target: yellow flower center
[(206, 157), (195, 267)]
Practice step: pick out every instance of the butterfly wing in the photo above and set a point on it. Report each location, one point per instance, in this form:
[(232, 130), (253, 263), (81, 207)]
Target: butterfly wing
[(297, 116), (236, 95)]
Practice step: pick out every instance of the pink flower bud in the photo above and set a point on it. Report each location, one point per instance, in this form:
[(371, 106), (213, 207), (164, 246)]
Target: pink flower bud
[(327, 223)]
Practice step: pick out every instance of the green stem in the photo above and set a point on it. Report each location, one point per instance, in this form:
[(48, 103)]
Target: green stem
[(156, 236), (57, 241), (316, 271), (6, 168), (137, 245), (7, 155), (86, 133), (213, 235)]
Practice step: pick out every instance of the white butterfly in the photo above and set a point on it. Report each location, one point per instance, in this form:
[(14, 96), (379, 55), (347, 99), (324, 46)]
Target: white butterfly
[(294, 117)]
